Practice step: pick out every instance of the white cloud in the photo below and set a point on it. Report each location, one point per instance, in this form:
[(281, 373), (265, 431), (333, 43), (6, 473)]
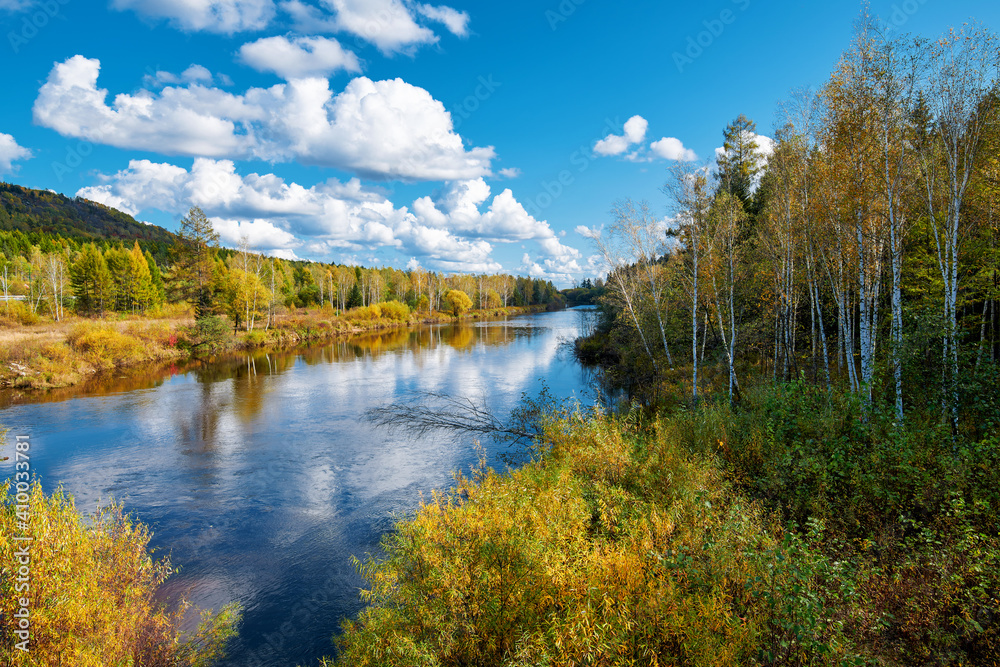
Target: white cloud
[(457, 22), (10, 152), (510, 172), (261, 234), (556, 270), (14, 5), (299, 58), (670, 148), (450, 233), (223, 16), (614, 144), (388, 24), (193, 74), (635, 129), (378, 129), (308, 18)]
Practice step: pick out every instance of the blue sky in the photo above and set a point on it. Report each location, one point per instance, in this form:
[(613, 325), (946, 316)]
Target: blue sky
[(458, 137)]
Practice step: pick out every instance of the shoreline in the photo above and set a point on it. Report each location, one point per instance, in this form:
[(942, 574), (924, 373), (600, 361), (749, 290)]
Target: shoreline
[(79, 350)]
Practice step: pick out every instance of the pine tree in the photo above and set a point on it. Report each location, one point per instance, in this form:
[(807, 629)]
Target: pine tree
[(195, 265), (740, 163)]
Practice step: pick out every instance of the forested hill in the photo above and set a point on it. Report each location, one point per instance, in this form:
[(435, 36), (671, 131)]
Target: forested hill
[(27, 210)]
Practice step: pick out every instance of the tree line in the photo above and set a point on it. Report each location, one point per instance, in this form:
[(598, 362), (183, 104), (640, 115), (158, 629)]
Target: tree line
[(48, 273), (861, 251)]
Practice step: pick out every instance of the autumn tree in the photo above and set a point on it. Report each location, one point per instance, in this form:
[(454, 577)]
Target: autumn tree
[(91, 281), (962, 74), (456, 302)]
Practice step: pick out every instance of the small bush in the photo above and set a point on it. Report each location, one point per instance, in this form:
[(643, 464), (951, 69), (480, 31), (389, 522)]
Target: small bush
[(364, 313), (210, 334), (106, 347), (17, 313), (255, 338), (92, 594), (394, 310)]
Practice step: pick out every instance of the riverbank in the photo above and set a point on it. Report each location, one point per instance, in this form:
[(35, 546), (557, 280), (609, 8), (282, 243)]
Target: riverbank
[(49, 355), (797, 529)]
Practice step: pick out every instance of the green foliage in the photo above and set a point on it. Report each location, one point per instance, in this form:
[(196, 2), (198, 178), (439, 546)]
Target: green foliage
[(209, 335), (91, 281), (93, 591), (195, 253), (30, 212), (354, 298)]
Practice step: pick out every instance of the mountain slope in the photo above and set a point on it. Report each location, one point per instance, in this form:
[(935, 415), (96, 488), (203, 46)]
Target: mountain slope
[(30, 210)]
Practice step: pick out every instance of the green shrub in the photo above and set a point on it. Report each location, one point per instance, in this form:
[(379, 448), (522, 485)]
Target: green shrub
[(210, 334)]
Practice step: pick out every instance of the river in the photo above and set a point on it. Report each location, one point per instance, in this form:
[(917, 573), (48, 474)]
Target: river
[(258, 474)]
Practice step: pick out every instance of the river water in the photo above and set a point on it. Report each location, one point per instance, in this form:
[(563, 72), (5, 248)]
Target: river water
[(258, 474)]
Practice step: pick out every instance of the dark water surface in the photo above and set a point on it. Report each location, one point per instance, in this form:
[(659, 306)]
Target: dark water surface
[(259, 476)]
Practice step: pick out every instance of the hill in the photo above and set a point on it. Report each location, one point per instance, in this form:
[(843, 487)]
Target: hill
[(27, 211)]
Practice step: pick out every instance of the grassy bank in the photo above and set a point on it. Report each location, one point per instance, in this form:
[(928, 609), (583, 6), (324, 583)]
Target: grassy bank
[(40, 354), (799, 529)]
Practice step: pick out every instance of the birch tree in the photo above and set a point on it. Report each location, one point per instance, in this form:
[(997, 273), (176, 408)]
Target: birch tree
[(646, 240), (614, 251), (689, 190), (962, 72)]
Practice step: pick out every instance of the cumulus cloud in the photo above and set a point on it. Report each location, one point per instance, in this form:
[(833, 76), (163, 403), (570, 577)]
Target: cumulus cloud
[(222, 16), (378, 129), (670, 148), (300, 58), (615, 144), (388, 24), (634, 136), (510, 172), (10, 152), (459, 208), (457, 230)]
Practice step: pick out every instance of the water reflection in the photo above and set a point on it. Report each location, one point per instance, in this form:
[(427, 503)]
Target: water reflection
[(259, 476)]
